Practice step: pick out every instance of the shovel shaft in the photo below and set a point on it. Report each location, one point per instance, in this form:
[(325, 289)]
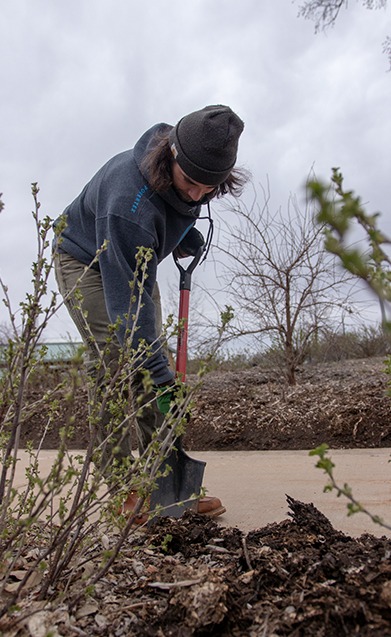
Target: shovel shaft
[(183, 313), (181, 359), (177, 486)]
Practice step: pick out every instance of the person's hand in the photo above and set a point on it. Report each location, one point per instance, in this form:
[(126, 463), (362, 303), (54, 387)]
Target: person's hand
[(190, 244), (166, 395)]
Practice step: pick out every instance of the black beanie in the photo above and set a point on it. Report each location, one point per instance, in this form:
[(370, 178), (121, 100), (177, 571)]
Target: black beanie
[(205, 143)]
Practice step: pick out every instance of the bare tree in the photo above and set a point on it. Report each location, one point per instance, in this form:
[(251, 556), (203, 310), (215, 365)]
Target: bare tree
[(278, 274), (324, 13)]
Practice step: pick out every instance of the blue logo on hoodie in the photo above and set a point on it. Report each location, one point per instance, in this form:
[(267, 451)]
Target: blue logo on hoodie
[(136, 202)]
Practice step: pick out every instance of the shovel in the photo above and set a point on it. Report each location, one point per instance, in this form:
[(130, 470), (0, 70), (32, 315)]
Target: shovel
[(173, 492)]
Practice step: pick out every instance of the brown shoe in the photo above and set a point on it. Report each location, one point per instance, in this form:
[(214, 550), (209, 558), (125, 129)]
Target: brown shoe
[(210, 506), (129, 506)]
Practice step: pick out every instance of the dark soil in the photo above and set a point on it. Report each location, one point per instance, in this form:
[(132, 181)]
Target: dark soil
[(296, 578), (190, 576), (344, 404)]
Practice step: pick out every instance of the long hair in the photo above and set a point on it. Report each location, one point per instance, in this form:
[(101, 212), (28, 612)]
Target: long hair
[(158, 161)]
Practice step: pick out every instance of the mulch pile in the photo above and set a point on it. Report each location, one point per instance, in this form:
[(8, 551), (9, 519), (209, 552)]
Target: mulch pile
[(192, 577), (344, 404), (297, 578)]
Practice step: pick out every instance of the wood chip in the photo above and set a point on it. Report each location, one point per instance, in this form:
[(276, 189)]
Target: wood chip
[(89, 608), (167, 585)]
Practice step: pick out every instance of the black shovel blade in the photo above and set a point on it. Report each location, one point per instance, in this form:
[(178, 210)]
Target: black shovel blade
[(184, 479)]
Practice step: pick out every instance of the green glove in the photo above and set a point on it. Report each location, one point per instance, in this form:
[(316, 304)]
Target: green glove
[(164, 397)]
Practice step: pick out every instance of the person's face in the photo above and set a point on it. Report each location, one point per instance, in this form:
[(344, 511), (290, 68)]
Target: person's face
[(188, 189)]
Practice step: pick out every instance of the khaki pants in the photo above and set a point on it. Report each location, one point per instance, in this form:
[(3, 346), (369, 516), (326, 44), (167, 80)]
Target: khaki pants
[(68, 271)]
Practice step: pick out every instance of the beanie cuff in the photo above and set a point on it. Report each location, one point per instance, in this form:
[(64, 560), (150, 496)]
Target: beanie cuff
[(199, 174)]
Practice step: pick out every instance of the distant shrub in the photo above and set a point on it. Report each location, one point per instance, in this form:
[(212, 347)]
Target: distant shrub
[(329, 346), (366, 342)]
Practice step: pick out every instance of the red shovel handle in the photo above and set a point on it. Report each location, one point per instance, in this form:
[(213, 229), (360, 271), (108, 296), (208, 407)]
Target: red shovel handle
[(181, 357), (183, 314)]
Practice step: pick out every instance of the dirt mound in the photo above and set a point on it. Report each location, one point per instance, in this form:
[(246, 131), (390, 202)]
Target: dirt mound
[(190, 576), (344, 404)]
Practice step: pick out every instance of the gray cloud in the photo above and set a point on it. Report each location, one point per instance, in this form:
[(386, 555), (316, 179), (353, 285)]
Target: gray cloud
[(82, 80)]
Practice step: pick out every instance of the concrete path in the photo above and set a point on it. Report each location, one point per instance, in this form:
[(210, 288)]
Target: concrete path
[(252, 485)]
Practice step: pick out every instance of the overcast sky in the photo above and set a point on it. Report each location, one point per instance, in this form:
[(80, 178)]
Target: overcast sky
[(81, 80)]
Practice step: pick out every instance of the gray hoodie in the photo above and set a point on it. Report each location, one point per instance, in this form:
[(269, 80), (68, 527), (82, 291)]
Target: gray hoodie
[(119, 206)]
